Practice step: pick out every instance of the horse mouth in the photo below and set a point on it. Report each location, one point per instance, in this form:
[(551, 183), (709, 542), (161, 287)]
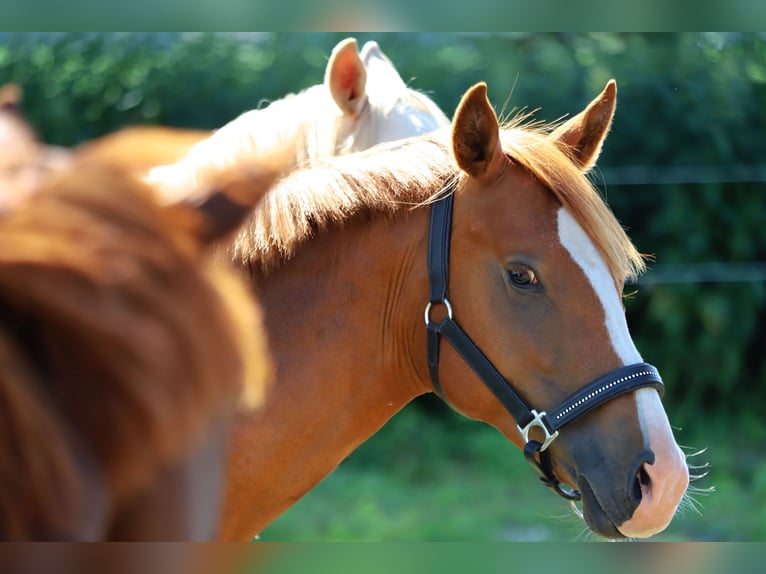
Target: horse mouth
[(595, 515)]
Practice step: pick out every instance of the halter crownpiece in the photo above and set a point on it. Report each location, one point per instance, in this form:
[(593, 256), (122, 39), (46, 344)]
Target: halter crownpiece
[(618, 382)]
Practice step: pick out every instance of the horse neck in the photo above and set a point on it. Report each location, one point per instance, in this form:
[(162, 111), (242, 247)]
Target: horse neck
[(343, 319)]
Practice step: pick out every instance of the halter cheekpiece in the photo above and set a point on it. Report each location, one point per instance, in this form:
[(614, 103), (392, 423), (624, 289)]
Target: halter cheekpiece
[(603, 389)]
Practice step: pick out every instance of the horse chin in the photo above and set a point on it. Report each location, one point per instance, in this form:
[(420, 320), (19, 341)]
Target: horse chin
[(596, 517)]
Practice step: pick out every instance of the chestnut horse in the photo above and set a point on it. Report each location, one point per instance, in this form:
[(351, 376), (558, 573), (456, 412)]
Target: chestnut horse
[(363, 101), (124, 352), (343, 262)]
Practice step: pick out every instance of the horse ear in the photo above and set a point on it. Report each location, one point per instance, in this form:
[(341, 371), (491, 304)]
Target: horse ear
[(10, 97), (380, 70), (584, 134), (225, 208), (346, 77), (476, 134)]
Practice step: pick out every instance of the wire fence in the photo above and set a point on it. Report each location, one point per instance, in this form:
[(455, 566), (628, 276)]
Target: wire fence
[(683, 174), (685, 273), (712, 272)]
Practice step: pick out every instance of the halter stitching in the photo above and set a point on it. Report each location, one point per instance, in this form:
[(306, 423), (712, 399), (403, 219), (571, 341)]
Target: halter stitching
[(597, 392)]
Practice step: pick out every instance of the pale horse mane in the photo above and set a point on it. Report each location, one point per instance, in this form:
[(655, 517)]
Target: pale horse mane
[(393, 177), (286, 132), (299, 129)]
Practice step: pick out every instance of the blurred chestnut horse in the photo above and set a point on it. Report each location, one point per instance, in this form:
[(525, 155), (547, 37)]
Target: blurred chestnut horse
[(123, 355), (362, 101), (343, 262)]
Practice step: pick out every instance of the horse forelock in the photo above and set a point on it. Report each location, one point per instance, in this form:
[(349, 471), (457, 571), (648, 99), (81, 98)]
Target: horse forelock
[(530, 147)]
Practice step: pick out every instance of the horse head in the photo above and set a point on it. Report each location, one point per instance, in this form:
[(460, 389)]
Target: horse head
[(538, 263)]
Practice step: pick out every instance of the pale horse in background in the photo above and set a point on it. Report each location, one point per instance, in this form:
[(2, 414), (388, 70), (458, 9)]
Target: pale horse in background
[(363, 101)]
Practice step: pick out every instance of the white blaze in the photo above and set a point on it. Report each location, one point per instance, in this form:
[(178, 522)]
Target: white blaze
[(584, 252)]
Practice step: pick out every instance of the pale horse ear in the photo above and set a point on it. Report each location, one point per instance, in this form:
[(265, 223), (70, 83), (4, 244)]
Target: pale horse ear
[(10, 97), (476, 135), (583, 135), (382, 75), (346, 77)]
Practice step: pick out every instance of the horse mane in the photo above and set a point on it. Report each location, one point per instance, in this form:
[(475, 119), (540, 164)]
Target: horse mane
[(387, 178), (36, 448), (296, 131), (120, 342), (391, 177), (287, 132), (308, 122)]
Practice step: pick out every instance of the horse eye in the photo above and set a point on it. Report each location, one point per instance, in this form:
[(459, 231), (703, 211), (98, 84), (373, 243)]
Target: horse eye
[(523, 277)]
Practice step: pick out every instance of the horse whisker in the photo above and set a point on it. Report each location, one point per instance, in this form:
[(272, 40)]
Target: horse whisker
[(696, 453), (704, 491)]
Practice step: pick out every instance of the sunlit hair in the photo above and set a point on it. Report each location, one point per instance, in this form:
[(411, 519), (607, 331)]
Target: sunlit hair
[(393, 177), (298, 130), (549, 162)]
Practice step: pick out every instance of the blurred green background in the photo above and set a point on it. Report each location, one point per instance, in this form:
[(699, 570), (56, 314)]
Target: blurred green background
[(683, 169)]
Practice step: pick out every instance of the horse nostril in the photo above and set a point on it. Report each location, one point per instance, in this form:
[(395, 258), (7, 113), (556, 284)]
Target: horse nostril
[(641, 479)]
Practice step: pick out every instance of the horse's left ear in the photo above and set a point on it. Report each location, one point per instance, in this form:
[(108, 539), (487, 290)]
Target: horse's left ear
[(476, 135), (346, 77), (584, 134)]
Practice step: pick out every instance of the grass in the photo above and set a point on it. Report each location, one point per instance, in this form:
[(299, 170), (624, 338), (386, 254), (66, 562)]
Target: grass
[(431, 475)]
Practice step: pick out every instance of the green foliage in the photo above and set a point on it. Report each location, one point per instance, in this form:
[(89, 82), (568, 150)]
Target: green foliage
[(430, 477), (78, 86)]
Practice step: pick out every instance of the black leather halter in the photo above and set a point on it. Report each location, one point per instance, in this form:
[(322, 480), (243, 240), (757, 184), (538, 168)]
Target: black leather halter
[(603, 389)]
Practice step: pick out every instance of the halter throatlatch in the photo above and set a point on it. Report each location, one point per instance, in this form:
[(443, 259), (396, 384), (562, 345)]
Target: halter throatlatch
[(623, 380)]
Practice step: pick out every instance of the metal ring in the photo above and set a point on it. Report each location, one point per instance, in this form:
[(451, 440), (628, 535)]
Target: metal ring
[(538, 421), (444, 302)]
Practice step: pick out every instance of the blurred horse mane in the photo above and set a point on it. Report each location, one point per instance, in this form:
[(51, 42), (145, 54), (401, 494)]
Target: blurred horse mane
[(121, 344)]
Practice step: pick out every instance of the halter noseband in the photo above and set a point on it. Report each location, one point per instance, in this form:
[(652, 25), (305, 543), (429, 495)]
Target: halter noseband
[(603, 389)]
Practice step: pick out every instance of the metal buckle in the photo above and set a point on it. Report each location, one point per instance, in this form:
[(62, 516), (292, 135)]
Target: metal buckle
[(538, 422), (444, 302)]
